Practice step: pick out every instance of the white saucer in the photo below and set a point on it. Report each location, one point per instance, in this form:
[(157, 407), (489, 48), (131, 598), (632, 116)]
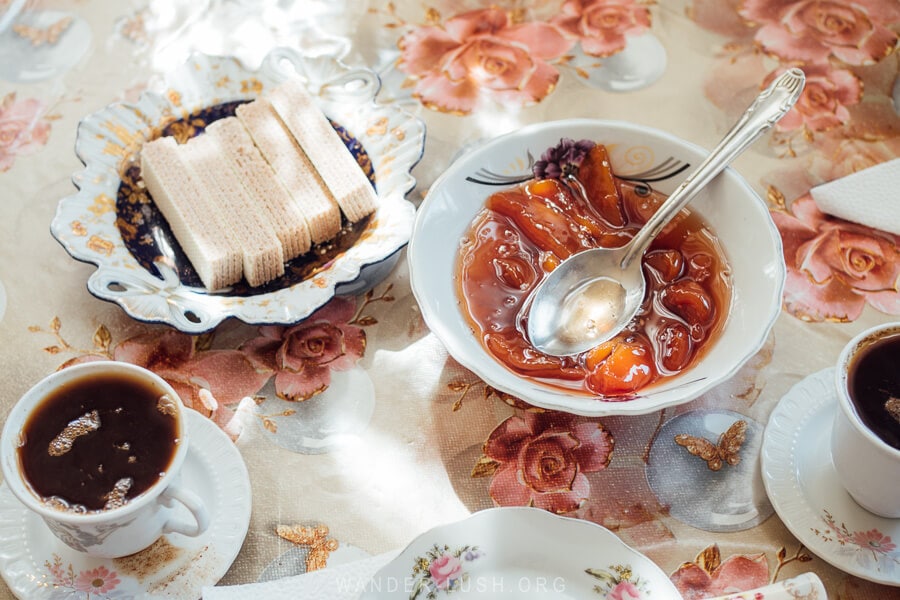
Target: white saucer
[(804, 489), (36, 565)]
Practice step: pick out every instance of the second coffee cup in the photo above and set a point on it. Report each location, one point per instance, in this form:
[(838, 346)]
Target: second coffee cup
[(865, 441)]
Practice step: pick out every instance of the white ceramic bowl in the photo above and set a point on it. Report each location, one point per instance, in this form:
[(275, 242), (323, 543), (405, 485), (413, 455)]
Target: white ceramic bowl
[(729, 205)]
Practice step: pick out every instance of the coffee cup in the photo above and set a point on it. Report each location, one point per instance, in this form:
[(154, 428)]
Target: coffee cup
[(865, 440), (96, 450)]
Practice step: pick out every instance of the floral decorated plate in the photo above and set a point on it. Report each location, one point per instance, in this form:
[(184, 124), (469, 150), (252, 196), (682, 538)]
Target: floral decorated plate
[(112, 223), (804, 489), (36, 565), (519, 553)]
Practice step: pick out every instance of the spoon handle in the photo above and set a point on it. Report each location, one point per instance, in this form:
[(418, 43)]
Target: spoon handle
[(770, 106)]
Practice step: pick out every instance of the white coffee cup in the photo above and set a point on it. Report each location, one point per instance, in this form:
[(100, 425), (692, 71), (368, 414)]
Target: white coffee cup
[(867, 466), (118, 531)]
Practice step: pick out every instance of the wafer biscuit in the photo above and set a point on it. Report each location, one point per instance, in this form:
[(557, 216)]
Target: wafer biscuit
[(262, 185), (181, 200), (241, 221), (292, 167), (325, 149)]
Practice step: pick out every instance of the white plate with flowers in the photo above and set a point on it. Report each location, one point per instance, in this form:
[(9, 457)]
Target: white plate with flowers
[(519, 553)]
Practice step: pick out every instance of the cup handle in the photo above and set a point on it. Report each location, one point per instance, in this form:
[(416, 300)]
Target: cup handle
[(193, 503)]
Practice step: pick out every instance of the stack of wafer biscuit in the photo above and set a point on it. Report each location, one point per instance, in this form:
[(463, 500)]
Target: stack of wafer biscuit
[(258, 189)]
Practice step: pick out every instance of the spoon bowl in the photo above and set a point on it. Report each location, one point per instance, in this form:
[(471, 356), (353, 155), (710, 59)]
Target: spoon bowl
[(590, 305), (593, 295)]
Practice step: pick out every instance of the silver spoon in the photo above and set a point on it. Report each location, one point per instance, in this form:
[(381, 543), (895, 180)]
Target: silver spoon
[(591, 296)]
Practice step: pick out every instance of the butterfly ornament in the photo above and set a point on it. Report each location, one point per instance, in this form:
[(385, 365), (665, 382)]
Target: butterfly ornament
[(726, 450)]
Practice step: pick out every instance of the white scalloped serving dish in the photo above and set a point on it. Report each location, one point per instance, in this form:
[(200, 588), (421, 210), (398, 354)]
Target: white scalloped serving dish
[(112, 223)]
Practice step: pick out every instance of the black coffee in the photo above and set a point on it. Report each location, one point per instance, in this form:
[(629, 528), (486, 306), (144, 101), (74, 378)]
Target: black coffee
[(874, 385), (98, 441)]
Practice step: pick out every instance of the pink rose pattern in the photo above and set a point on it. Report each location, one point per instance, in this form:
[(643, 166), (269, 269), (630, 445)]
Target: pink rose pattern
[(825, 37), (494, 54), (841, 156), (542, 459), (815, 31), (212, 381), (481, 52), (208, 381), (823, 104), (441, 570), (828, 39), (602, 25), (445, 570), (620, 582), (24, 128), (709, 576), (302, 356), (834, 267), (625, 590)]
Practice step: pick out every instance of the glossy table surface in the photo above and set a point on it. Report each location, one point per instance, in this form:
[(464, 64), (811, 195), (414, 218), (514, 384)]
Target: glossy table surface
[(403, 438)]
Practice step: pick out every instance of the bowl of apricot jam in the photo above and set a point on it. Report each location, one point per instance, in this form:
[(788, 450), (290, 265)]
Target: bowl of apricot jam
[(507, 212)]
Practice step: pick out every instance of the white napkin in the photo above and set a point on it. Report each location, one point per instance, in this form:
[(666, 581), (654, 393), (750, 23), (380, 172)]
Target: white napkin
[(341, 582), (869, 197)]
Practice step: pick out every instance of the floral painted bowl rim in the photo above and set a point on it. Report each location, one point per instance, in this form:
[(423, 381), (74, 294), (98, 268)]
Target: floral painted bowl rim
[(525, 550), (108, 141), (733, 209)]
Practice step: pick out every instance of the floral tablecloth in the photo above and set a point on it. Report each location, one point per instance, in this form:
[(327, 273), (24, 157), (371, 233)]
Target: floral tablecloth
[(355, 457)]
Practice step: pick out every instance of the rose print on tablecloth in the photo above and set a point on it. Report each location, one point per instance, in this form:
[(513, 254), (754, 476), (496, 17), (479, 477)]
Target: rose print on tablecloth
[(302, 356), (441, 570), (602, 26), (540, 459), (843, 156), (620, 498), (460, 63), (834, 267), (824, 101), (24, 128), (213, 381), (207, 380), (481, 52), (847, 51), (708, 575), (814, 31)]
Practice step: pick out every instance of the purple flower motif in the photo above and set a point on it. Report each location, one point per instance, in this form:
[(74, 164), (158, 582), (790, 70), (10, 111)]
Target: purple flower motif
[(562, 159)]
